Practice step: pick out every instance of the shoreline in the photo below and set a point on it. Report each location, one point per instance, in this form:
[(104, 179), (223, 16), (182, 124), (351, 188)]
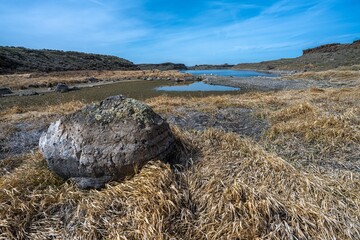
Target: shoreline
[(286, 80)]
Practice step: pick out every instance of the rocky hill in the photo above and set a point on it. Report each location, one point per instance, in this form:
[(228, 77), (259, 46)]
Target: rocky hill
[(21, 60), (163, 66), (323, 57)]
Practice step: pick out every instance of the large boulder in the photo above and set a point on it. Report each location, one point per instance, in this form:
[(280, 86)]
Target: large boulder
[(106, 141)]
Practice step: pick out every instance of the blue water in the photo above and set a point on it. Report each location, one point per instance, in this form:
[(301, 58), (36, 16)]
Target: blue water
[(197, 86), (228, 73)]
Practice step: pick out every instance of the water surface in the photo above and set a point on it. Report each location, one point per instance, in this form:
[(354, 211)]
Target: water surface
[(229, 73), (140, 90), (197, 86)]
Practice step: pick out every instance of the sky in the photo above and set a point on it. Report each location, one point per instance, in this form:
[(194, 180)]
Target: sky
[(190, 32)]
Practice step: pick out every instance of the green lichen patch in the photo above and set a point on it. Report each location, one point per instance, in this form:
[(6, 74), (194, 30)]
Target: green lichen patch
[(119, 108)]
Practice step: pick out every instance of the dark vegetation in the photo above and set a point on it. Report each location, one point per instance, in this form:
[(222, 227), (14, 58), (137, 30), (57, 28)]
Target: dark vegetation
[(163, 66), (23, 60), (324, 57), (209, 66)]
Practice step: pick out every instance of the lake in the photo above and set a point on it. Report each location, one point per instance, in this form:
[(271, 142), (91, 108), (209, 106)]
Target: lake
[(204, 87), (229, 73), (197, 86)]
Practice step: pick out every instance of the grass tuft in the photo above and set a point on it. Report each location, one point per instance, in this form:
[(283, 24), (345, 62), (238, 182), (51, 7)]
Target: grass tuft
[(300, 180)]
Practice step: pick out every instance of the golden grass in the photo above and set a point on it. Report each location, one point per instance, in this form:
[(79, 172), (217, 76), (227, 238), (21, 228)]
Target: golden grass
[(355, 67), (235, 189), (18, 81), (301, 180), (314, 128), (19, 113), (343, 76), (245, 191), (329, 75)]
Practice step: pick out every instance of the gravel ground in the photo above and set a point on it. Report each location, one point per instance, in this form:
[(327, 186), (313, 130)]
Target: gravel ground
[(265, 83), (238, 120), (24, 139)]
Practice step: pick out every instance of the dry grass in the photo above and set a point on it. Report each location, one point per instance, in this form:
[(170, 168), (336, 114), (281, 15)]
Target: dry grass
[(355, 67), (235, 189), (301, 180), (329, 75), (19, 81), (19, 113), (342, 76), (314, 126)]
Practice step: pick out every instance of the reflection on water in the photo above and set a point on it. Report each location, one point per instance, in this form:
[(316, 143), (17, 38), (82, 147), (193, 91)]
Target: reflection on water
[(197, 86)]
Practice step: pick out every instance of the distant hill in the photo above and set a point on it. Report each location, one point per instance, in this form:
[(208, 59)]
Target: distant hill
[(163, 66), (22, 60), (323, 57), (209, 66)]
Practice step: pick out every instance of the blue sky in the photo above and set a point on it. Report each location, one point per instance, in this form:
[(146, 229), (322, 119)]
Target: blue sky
[(190, 32)]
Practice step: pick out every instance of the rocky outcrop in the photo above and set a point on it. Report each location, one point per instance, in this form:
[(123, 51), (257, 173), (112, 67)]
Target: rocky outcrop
[(331, 48), (323, 48), (106, 141), (324, 57)]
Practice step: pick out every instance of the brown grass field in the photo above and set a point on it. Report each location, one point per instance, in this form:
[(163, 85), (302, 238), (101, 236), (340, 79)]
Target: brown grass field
[(300, 180), (342, 76), (35, 80)]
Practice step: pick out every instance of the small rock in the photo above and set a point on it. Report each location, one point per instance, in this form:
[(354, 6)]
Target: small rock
[(92, 79), (61, 88), (106, 141), (149, 79), (28, 93), (49, 85), (74, 89), (5, 91)]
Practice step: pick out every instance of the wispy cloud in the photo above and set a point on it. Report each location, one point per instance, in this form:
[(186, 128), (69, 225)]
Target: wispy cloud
[(72, 27), (272, 33), (98, 3), (149, 31)]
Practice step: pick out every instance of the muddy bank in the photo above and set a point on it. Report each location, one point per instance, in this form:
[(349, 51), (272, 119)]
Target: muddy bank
[(238, 120), (25, 135), (265, 83), (23, 139)]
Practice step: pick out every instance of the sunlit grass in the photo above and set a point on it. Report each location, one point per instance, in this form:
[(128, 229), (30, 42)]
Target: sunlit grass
[(300, 180), (19, 81)]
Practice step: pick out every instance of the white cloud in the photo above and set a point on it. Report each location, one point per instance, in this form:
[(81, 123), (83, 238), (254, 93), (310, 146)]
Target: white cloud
[(272, 30), (72, 26), (225, 31)]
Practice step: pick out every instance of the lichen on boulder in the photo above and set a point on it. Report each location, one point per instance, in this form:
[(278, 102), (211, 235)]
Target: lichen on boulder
[(106, 141)]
